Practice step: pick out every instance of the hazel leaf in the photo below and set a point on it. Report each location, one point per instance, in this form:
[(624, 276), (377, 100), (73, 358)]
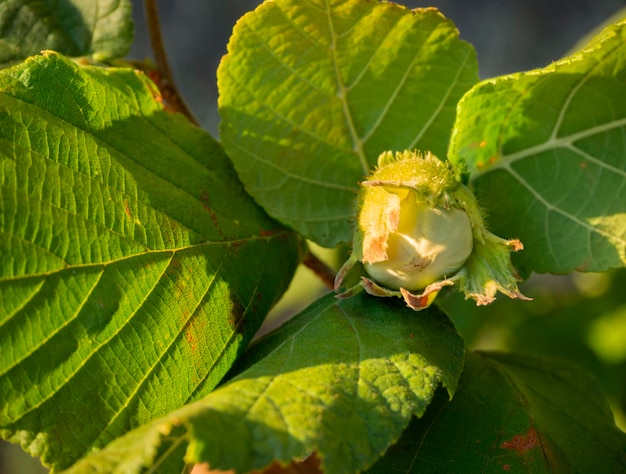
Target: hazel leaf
[(518, 413), (312, 92), (122, 295), (546, 154), (99, 29), (340, 380)]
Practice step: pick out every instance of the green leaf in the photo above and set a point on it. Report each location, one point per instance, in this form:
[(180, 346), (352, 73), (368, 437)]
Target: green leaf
[(312, 92), (547, 156), (101, 29), (342, 379), (513, 413), (133, 266)]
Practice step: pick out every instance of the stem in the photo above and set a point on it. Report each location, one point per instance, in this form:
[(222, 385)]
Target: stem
[(166, 84), (323, 271)]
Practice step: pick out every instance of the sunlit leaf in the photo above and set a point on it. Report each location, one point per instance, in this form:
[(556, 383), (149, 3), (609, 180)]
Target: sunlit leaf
[(342, 380), (513, 413), (312, 92), (546, 151), (133, 266)]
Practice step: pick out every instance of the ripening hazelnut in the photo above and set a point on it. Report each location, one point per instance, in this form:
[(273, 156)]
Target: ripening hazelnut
[(419, 229), (429, 244)]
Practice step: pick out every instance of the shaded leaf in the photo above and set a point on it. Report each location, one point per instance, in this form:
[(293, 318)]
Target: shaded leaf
[(133, 266), (101, 29), (312, 92), (341, 379), (513, 413), (547, 156)]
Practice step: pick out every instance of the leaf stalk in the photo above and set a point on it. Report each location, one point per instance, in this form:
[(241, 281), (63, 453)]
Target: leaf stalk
[(323, 271), (167, 84)]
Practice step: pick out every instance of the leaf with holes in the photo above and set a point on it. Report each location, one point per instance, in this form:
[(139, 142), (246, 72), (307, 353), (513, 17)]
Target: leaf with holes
[(100, 29), (342, 380), (547, 155), (518, 414), (312, 92), (123, 293)]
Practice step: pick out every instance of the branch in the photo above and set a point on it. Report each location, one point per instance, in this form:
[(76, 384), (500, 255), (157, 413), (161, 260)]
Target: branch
[(166, 82), (323, 271)]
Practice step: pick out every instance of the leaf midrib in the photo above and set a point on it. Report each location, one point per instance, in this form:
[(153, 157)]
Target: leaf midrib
[(568, 141), (506, 162), (82, 266), (357, 142), (554, 143)]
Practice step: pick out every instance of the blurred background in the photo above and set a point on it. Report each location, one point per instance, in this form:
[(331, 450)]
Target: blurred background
[(579, 318)]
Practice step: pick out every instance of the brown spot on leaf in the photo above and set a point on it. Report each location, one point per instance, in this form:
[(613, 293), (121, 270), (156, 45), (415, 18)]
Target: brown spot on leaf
[(206, 203), (234, 246), (195, 334), (236, 319), (522, 443), (127, 210), (310, 465), (583, 266), (174, 268), (189, 337), (474, 145)]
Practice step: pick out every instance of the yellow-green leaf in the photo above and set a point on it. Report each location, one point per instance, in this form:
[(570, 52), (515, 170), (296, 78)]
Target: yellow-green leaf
[(133, 266)]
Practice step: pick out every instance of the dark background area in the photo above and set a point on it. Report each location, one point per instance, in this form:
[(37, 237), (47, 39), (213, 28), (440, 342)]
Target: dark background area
[(509, 36)]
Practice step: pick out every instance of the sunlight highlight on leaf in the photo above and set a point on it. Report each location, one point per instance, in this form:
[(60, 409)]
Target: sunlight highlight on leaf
[(312, 92), (342, 380), (122, 295), (547, 157)]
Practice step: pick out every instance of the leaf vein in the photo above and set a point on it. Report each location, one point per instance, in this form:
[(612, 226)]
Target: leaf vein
[(49, 337), (563, 142), (227, 344), (550, 207), (357, 143), (135, 394), (394, 95), (441, 105), (286, 120), (128, 257), (290, 175), (280, 61)]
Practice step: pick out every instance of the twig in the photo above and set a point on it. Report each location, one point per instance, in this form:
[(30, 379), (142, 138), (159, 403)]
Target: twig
[(166, 84), (323, 271)]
